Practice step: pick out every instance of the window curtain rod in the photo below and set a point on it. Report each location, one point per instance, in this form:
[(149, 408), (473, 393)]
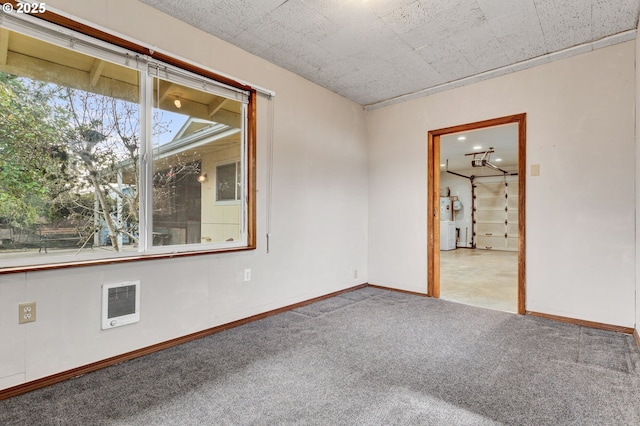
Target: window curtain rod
[(196, 81), (259, 89), (69, 39), (66, 37)]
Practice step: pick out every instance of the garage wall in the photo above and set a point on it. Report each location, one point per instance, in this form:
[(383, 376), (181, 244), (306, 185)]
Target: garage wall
[(318, 221), (580, 210), (637, 180), (460, 187)]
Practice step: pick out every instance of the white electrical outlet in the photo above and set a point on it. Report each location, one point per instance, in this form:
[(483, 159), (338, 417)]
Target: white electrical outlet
[(247, 274), (26, 312)]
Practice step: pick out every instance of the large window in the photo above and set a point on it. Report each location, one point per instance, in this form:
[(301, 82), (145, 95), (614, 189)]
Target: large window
[(104, 153)]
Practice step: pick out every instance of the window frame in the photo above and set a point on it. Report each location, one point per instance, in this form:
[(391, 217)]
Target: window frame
[(50, 22), (237, 172)]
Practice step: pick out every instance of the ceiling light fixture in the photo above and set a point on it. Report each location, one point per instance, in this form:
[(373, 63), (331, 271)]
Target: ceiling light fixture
[(462, 138), (477, 147), (177, 103)]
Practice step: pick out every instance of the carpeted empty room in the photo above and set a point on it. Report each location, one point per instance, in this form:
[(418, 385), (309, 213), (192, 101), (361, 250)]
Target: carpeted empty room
[(357, 359)]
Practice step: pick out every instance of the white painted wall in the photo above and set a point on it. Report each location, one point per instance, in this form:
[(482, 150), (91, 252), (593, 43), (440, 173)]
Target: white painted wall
[(637, 178), (580, 210), (318, 234)]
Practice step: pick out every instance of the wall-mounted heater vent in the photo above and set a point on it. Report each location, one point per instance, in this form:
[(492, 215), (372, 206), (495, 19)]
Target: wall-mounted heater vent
[(120, 304)]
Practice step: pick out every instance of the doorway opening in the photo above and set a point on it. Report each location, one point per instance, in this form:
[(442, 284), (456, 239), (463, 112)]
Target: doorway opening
[(476, 220)]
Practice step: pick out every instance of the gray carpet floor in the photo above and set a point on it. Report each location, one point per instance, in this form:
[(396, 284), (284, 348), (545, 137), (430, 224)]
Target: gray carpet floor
[(367, 357)]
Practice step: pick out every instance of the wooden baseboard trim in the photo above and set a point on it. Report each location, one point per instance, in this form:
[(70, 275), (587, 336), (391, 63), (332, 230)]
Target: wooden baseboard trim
[(413, 293), (584, 323), (636, 337), (75, 372)]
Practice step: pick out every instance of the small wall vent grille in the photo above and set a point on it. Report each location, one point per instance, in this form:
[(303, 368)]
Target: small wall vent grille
[(120, 304)]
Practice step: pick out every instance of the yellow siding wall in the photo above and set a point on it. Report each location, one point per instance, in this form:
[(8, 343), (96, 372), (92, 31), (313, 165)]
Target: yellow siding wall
[(220, 222)]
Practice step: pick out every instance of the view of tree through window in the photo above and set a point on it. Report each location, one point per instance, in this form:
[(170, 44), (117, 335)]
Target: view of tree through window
[(62, 151), (71, 175)]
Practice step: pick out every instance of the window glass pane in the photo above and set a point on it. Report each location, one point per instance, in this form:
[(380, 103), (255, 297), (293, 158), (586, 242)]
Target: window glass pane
[(226, 186), (194, 132), (71, 175), (69, 146)]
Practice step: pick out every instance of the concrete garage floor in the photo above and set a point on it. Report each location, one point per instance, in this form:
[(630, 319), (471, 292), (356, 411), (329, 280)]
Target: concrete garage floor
[(484, 278)]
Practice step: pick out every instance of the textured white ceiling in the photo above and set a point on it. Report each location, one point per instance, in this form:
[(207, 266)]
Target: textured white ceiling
[(374, 51)]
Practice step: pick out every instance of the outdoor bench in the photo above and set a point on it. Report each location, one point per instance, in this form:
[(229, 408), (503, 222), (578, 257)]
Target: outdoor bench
[(52, 235)]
